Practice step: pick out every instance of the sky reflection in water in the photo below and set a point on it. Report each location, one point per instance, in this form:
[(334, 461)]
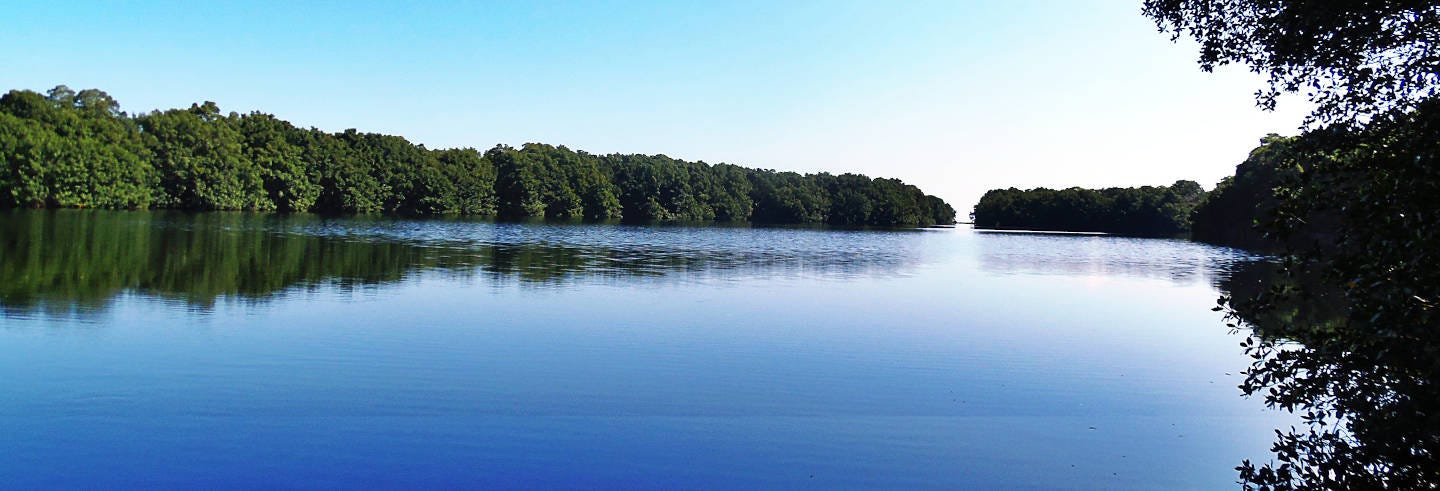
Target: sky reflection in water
[(174, 350)]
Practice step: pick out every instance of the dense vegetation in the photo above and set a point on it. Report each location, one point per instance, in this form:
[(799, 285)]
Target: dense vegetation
[(1229, 213), (78, 150), (1353, 208), (1147, 210), (1359, 207)]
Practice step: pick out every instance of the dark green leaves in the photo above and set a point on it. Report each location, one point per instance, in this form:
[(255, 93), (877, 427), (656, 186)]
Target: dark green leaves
[(77, 150), (1146, 211), (1354, 59)]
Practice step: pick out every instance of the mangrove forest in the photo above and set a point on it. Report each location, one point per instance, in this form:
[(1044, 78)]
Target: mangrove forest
[(68, 149)]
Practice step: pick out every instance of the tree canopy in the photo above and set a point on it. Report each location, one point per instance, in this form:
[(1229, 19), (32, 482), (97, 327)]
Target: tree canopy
[(1146, 210), (78, 150), (1230, 213), (1354, 206), (1354, 59)]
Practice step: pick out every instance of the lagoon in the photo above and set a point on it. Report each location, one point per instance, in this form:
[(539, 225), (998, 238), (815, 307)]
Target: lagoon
[(236, 350)]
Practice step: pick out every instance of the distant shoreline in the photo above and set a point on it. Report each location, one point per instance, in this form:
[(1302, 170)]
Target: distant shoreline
[(1035, 232)]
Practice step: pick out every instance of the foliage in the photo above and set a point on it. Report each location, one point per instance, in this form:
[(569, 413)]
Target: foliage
[(71, 150), (1368, 385), (78, 150), (201, 161), (1354, 59), (1147, 210), (555, 182), (1229, 214), (1357, 203)]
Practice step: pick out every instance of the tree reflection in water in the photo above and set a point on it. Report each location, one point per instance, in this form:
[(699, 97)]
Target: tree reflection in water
[(73, 261), (1370, 405)]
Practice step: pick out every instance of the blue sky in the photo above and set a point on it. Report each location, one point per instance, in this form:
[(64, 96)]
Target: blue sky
[(955, 97)]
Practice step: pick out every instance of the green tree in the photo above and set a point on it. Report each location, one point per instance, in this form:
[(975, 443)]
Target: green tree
[(474, 179), (72, 151), (1354, 59), (1355, 200), (275, 147), (1160, 211), (1230, 214), (77, 150), (201, 160)]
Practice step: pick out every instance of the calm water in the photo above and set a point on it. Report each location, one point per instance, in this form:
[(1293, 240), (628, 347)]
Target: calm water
[(231, 350)]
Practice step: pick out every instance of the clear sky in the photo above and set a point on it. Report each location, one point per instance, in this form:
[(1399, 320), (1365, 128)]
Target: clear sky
[(955, 97)]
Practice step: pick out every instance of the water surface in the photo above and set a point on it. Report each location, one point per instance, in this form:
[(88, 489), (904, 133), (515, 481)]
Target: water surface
[(223, 350)]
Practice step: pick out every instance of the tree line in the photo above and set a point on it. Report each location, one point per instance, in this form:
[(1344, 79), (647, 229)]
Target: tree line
[(1231, 214), (1144, 211), (1243, 210), (1342, 322), (67, 149)]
